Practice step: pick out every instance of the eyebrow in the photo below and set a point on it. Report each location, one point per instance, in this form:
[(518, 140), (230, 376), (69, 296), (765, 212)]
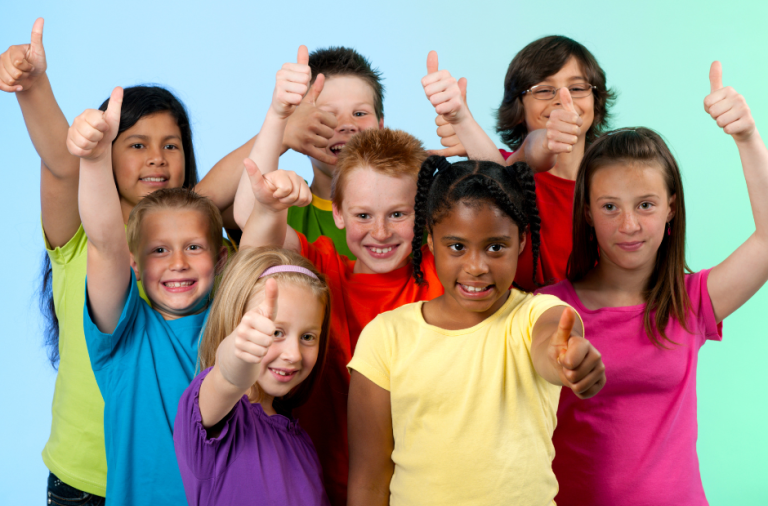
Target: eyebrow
[(611, 197), (488, 239), (146, 137)]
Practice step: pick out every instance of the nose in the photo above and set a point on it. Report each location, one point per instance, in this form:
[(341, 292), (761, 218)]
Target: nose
[(156, 156), (290, 351), (380, 230), (629, 223), (475, 264), (179, 261), (347, 123)]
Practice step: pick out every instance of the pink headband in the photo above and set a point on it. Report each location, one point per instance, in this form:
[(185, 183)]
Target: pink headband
[(288, 268)]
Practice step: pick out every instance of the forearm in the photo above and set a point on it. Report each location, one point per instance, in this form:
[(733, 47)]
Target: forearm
[(477, 143), (268, 146), (228, 381), (47, 128), (754, 161), (221, 182), (264, 228), (100, 212)]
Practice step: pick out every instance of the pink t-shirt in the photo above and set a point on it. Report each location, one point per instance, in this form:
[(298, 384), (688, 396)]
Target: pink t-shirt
[(634, 443)]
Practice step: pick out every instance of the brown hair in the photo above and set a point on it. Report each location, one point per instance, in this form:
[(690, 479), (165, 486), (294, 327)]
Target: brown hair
[(345, 61), (240, 283), (175, 198), (394, 153), (536, 62), (665, 293)]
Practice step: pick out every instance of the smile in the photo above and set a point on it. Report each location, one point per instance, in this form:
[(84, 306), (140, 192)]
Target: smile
[(381, 251), (336, 148), (179, 286), (283, 375), (475, 291), (153, 179)]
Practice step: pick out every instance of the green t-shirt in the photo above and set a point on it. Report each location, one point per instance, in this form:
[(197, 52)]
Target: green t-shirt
[(315, 220)]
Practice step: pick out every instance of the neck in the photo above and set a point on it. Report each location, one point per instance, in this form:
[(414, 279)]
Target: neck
[(567, 165), (266, 404), (321, 184), (174, 314), (609, 285), (126, 207), (446, 313)]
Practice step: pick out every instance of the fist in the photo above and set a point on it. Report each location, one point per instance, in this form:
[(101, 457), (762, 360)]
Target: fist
[(292, 84), (728, 108), (255, 333), (21, 65), (563, 125), (580, 365), (309, 129), (91, 134), (278, 190)]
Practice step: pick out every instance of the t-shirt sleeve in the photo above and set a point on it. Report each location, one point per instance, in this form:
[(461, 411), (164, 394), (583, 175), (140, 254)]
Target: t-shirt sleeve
[(506, 154), (195, 451), (102, 347), (701, 304), (525, 320), (373, 353), (322, 253), (62, 255)]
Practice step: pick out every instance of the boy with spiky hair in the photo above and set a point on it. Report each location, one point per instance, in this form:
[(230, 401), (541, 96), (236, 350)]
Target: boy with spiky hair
[(348, 98)]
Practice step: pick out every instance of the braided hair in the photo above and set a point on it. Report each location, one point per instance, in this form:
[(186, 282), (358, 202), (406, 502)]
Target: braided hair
[(441, 185)]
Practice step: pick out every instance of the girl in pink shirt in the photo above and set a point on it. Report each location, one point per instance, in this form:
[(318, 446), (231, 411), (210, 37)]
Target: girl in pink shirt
[(635, 444)]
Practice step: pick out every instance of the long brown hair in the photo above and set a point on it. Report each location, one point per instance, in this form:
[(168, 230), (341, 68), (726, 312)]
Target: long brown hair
[(240, 283), (665, 292)]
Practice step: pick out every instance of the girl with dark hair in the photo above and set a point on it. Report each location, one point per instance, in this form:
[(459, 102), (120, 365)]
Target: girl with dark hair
[(453, 401), (556, 103), (647, 313), (153, 150)]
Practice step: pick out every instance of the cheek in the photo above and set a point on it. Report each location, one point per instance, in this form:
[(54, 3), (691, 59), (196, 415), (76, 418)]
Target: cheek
[(309, 357)]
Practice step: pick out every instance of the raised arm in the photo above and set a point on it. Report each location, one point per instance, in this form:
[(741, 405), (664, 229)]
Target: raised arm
[(562, 356), (23, 71), (238, 359), (734, 281), (90, 138), (371, 443)]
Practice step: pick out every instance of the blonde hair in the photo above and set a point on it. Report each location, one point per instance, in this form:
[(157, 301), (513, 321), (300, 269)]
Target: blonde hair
[(175, 198), (394, 153), (240, 283)]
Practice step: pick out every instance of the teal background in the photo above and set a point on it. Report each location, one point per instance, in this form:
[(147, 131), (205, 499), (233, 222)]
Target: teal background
[(221, 59)]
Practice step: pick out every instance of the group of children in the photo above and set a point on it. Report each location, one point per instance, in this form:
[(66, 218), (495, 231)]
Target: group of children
[(373, 338)]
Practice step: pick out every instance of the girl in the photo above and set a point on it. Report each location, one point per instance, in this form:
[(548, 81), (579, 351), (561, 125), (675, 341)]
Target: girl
[(262, 350), (628, 278), (153, 150), (452, 401), (555, 104)]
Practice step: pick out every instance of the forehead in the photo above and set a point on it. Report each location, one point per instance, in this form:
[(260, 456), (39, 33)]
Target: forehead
[(365, 186), (628, 179), (160, 123), (572, 70), (474, 221), (174, 225), (346, 90), (296, 302)]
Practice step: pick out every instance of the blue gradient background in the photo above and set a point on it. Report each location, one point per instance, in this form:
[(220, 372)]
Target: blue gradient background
[(221, 58)]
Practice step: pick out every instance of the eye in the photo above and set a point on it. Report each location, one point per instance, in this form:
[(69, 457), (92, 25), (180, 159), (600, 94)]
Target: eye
[(495, 248), (159, 250), (609, 207), (360, 114), (363, 216), (646, 206), (398, 214), (543, 91), (578, 88), (309, 338), (195, 247), (170, 146), (137, 146), (456, 247), (278, 334)]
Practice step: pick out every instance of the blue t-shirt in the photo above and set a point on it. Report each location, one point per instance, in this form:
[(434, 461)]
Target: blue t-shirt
[(142, 369)]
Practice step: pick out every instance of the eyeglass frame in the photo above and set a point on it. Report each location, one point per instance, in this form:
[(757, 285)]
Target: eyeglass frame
[(592, 88)]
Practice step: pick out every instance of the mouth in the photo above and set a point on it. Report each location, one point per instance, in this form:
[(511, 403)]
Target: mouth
[(154, 180), (179, 285), (382, 251), (630, 246), (336, 148), (283, 375), (475, 291)]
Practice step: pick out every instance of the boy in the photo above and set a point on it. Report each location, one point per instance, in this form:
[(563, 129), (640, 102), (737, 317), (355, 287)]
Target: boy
[(346, 100), (143, 356)]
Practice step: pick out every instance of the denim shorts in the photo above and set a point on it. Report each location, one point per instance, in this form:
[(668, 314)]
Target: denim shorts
[(61, 494)]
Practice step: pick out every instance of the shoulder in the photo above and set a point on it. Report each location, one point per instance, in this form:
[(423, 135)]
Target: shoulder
[(562, 290), (75, 249), (527, 308)]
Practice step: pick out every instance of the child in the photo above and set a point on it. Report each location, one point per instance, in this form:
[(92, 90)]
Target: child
[(453, 401), (555, 104), (347, 99), (153, 150), (627, 278), (262, 351), (143, 355)]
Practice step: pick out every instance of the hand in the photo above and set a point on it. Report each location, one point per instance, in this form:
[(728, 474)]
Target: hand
[(21, 65), (448, 137), (278, 190), (580, 367), (291, 84), (254, 334), (309, 129), (727, 107), (444, 92), (91, 134), (563, 126)]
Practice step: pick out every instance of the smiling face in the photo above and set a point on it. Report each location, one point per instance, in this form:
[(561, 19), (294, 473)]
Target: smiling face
[(146, 157), (476, 247), (377, 213), (351, 100), (175, 262), (293, 353), (629, 206), (537, 111)]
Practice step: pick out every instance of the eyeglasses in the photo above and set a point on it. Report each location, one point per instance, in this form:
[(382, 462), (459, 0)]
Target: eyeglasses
[(545, 92)]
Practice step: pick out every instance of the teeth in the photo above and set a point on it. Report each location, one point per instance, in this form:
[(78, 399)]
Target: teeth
[(382, 250), (474, 289), (153, 179), (177, 284), (281, 373)]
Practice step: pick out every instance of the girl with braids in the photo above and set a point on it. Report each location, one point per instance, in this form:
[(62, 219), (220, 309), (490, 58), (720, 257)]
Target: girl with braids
[(453, 401), (648, 314)]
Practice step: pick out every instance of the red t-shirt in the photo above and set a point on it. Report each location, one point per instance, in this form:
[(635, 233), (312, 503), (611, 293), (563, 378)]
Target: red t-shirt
[(554, 198), (356, 299)]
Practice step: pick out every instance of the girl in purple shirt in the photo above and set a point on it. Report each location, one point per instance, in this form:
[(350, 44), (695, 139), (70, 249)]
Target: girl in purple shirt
[(263, 347), (635, 443)]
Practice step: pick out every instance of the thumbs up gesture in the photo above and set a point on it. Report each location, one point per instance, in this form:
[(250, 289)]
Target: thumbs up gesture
[(444, 92), (91, 134), (292, 84), (256, 331), (579, 364), (21, 65), (563, 125), (728, 108), (278, 190)]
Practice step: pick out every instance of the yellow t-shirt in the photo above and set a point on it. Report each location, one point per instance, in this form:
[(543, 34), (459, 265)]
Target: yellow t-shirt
[(472, 420)]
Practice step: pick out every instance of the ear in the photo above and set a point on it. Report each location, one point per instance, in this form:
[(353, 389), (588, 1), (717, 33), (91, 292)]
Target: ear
[(223, 256), (672, 208), (381, 123), (338, 218), (430, 244), (523, 243), (135, 267), (588, 216)]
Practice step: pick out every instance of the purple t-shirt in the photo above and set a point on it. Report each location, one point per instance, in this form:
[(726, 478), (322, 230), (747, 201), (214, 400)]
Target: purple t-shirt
[(634, 443), (256, 459)]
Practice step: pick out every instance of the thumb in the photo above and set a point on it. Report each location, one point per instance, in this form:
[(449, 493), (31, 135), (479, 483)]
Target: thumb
[(432, 62), (567, 100), (112, 114), (37, 34), (715, 76), (268, 306), (258, 181), (463, 88), (564, 328), (303, 56), (316, 89)]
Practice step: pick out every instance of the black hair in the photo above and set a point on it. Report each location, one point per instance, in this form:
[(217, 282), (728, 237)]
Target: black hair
[(441, 185), (345, 61), (138, 102)]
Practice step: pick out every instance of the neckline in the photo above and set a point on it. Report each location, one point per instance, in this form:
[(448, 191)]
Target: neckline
[(321, 203), (513, 297), (581, 307), (277, 420)]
